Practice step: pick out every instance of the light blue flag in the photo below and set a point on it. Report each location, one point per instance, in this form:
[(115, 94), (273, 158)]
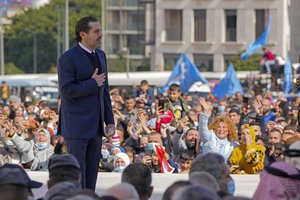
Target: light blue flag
[(185, 73), (259, 43), (288, 75), (229, 85), (4, 4)]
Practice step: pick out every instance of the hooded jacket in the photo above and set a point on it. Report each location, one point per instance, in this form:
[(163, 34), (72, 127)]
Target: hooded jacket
[(247, 159)]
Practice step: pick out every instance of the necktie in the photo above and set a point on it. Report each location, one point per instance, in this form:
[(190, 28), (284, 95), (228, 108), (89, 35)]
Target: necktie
[(93, 54), (95, 61)]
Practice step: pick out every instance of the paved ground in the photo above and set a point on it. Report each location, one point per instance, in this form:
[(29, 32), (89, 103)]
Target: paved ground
[(245, 184)]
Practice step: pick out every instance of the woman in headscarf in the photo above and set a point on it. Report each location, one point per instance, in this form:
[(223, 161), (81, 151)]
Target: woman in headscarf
[(220, 136), (248, 158), (42, 150), (278, 181), (121, 161)]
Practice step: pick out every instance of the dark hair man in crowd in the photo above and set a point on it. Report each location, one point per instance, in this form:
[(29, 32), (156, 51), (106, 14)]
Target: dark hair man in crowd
[(64, 176), (15, 183), (139, 175)]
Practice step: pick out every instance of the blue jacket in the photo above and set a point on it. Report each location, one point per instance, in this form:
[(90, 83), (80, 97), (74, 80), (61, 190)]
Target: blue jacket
[(84, 106)]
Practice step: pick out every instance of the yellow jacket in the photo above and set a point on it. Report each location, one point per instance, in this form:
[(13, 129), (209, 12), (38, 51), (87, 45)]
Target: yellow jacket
[(247, 159)]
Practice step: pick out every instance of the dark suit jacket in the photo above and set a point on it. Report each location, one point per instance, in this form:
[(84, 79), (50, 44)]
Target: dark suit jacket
[(84, 105)]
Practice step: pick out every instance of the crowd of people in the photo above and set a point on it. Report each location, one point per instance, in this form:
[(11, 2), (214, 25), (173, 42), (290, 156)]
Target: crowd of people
[(177, 133)]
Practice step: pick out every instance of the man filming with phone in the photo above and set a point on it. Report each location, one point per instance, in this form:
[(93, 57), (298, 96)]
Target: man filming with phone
[(185, 138)]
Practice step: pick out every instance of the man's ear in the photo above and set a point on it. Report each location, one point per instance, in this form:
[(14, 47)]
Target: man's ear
[(82, 34)]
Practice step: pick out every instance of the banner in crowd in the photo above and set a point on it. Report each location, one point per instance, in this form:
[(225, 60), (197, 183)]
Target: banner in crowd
[(258, 43), (16, 3), (5, 4), (184, 73), (288, 75), (229, 85)]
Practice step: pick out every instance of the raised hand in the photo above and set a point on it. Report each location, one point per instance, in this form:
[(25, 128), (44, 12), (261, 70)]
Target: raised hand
[(159, 110), (207, 107), (110, 130), (129, 127), (182, 123), (141, 117), (8, 126), (258, 107), (100, 79), (118, 114)]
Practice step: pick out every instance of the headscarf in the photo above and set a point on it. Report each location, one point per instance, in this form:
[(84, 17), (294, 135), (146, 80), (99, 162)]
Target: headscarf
[(278, 181), (124, 157), (47, 133), (292, 154), (247, 158)]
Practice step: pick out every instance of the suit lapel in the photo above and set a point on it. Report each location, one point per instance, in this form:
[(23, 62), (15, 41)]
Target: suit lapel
[(84, 58), (101, 59)]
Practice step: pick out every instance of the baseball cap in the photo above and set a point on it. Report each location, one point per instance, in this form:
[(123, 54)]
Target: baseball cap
[(13, 174), (166, 117), (60, 160)]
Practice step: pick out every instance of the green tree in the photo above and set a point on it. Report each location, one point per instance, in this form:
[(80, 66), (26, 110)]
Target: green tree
[(251, 64), (10, 68), (19, 39)]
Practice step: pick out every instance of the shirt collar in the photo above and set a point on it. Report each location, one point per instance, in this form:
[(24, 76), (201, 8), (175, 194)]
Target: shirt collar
[(85, 48)]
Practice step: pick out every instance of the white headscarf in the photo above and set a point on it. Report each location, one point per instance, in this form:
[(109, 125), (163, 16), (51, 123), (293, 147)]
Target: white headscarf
[(124, 157)]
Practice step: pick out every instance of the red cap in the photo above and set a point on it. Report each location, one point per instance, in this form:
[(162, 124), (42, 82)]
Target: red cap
[(166, 117)]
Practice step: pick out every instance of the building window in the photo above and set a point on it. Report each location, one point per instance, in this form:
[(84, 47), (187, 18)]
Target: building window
[(170, 60), (113, 20), (135, 20), (262, 17), (134, 44), (200, 25), (112, 44), (130, 3), (231, 19), (173, 25), (204, 62), (227, 59)]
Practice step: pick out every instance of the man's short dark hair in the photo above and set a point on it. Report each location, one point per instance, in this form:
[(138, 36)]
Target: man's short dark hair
[(129, 97), (254, 123), (83, 25), (234, 110), (208, 162), (19, 192), (144, 82), (138, 175), (187, 155), (174, 87), (173, 188)]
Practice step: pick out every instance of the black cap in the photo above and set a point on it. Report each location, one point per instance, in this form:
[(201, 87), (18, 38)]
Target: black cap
[(15, 175), (60, 160)]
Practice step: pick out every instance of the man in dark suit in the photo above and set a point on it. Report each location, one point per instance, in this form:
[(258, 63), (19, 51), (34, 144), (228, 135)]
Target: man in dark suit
[(85, 99)]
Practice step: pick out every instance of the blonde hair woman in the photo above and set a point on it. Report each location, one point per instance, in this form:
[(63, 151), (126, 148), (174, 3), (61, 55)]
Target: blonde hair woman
[(220, 136)]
